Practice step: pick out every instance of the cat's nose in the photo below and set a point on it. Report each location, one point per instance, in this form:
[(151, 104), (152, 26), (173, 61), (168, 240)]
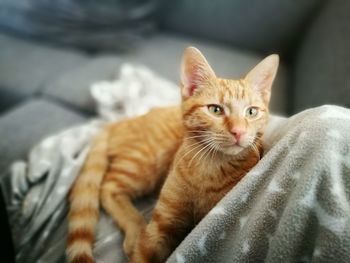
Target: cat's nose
[(237, 133)]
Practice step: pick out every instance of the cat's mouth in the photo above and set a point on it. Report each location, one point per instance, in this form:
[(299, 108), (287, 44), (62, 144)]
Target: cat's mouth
[(232, 143), (231, 147)]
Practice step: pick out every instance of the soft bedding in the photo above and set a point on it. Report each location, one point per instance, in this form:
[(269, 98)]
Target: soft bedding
[(294, 206)]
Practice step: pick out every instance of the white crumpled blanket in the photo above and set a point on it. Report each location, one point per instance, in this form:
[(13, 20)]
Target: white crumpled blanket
[(294, 206)]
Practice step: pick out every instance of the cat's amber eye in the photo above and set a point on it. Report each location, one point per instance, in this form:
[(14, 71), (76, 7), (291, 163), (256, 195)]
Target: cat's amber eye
[(215, 110), (252, 112)]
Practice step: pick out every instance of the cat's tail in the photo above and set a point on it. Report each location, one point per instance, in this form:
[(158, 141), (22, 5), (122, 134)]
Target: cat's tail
[(84, 201)]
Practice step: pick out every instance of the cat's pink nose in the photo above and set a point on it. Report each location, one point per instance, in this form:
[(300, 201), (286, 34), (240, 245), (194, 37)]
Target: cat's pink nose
[(237, 133)]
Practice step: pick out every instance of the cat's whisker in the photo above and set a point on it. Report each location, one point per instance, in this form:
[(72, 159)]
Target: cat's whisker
[(204, 152), (199, 131), (210, 133), (196, 133), (255, 149), (197, 136), (211, 153), (205, 147), (195, 142), (203, 141), (221, 140), (215, 152), (213, 145), (194, 145), (198, 144), (212, 149), (221, 135)]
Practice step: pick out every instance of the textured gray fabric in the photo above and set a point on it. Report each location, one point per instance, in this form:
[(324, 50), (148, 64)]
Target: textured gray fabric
[(294, 206), (35, 192), (162, 54), (28, 123), (93, 24), (269, 26), (322, 65), (25, 66), (74, 86)]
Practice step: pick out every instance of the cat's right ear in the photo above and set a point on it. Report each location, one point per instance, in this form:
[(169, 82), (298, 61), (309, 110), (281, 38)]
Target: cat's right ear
[(195, 71)]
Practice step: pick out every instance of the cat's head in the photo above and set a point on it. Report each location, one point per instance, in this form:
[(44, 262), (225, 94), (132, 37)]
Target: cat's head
[(226, 114)]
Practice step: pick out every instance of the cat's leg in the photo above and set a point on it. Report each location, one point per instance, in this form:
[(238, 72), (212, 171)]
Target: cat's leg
[(117, 192), (170, 222)]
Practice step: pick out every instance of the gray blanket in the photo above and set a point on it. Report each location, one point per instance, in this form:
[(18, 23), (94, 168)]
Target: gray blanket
[(294, 206)]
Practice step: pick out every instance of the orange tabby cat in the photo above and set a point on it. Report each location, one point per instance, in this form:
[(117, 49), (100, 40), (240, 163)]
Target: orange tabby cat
[(216, 137)]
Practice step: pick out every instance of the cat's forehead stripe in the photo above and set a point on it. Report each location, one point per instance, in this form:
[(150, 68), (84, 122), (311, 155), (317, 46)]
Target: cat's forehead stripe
[(241, 89), (226, 94), (232, 90), (240, 92), (227, 97)]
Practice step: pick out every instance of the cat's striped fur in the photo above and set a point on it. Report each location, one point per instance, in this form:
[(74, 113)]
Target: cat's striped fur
[(84, 201), (131, 158)]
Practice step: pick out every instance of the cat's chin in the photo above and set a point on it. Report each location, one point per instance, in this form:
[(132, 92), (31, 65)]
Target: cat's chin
[(232, 150)]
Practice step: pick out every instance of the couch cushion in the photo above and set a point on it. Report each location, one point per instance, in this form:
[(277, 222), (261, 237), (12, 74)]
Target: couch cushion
[(27, 124), (25, 66), (74, 86), (161, 53), (322, 65), (269, 26)]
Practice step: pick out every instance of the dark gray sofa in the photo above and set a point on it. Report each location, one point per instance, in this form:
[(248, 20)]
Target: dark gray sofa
[(44, 87)]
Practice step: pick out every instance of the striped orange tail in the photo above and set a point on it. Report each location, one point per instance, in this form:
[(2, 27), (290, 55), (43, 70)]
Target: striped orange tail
[(84, 202)]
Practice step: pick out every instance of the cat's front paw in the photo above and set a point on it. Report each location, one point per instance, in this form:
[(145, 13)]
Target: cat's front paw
[(128, 246), (130, 239)]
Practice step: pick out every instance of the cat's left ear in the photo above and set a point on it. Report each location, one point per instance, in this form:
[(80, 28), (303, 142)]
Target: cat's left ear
[(262, 76)]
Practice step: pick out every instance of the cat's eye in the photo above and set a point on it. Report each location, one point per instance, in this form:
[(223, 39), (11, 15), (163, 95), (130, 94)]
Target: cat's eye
[(252, 112), (215, 110)]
